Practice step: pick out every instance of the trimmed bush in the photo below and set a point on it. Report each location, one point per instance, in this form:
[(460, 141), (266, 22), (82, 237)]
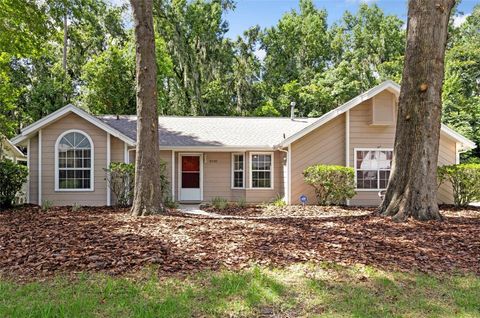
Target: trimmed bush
[(333, 184), (121, 180), (219, 203), (279, 201), (12, 178), (465, 180)]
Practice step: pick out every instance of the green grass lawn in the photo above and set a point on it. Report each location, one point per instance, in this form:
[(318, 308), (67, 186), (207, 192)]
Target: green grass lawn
[(298, 291)]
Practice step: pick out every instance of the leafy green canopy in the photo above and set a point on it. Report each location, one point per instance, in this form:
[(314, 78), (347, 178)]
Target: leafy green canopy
[(461, 90), (203, 72), (12, 178)]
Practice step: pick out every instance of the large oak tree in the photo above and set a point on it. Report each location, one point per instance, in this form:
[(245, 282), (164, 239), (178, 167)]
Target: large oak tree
[(147, 197), (412, 189)]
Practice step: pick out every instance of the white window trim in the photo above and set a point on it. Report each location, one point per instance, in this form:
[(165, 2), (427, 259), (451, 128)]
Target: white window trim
[(272, 170), (92, 166), (355, 167), (233, 169)]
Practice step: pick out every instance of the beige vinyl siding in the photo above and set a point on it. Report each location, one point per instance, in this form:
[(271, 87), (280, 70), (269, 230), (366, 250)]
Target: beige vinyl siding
[(50, 134), (166, 156), (325, 145), (266, 195), (217, 178), (447, 155), (117, 150), (382, 111), (117, 154), (33, 170), (365, 135), (217, 175)]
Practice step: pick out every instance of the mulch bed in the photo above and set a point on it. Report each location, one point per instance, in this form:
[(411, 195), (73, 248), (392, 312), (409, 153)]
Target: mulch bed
[(36, 243), (289, 211)]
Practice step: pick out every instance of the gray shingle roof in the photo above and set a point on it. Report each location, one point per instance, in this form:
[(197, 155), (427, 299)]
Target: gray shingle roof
[(215, 131)]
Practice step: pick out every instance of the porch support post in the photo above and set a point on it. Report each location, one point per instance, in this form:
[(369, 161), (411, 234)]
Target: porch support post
[(289, 176), (347, 142), (29, 170), (109, 194), (40, 167), (173, 175), (126, 157)]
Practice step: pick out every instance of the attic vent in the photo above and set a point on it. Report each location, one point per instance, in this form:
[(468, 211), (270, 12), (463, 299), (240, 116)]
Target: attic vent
[(383, 109)]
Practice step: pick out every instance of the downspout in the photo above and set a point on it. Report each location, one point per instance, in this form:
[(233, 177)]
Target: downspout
[(286, 195)]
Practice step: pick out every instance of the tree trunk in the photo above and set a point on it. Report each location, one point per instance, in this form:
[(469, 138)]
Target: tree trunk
[(147, 195), (412, 188), (65, 41)]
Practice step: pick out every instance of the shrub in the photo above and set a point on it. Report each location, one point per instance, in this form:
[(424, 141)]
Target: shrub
[(121, 180), (241, 202), (465, 180), (12, 178), (164, 183), (332, 184), (47, 205), (219, 203), (170, 203), (76, 207), (279, 201)]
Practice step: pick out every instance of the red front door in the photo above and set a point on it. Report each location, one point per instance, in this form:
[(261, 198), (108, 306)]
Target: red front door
[(190, 176)]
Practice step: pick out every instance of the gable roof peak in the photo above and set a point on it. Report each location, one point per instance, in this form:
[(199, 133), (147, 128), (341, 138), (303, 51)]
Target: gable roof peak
[(61, 112), (385, 85)]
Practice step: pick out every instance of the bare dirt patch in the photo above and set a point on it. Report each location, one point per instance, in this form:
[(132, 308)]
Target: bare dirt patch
[(35, 243)]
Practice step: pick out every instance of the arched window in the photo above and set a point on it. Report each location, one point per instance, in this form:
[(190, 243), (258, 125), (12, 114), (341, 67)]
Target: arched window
[(74, 162)]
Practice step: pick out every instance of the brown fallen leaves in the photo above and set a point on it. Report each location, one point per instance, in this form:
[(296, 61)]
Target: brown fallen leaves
[(34, 243)]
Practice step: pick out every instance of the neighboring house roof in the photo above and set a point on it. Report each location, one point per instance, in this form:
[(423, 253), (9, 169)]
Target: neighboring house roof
[(8, 145), (387, 85), (58, 114), (224, 132)]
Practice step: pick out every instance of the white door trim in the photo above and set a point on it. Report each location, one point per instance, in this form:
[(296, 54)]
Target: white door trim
[(179, 174)]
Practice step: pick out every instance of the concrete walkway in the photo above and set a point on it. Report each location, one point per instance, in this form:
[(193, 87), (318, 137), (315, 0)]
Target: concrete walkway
[(195, 210)]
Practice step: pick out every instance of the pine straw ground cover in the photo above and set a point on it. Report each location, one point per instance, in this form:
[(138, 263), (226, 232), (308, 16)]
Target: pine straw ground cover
[(36, 243), (100, 262)]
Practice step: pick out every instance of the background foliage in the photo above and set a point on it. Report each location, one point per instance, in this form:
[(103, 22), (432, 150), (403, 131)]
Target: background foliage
[(12, 178), (201, 71), (465, 181)]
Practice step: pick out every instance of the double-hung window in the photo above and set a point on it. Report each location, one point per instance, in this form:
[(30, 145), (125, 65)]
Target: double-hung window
[(74, 161), (372, 168), (238, 170), (261, 170)]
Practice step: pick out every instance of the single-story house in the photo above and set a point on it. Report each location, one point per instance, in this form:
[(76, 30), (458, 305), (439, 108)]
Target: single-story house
[(257, 159)]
